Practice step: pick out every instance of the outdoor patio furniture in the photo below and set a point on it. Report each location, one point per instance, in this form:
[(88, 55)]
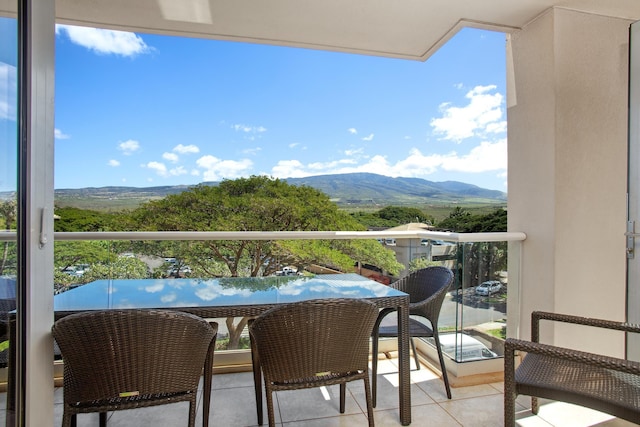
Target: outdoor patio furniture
[(603, 383), (240, 297), (311, 344), (126, 359), (427, 289)]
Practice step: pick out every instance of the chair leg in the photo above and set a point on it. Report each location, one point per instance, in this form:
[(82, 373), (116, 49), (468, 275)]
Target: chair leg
[(509, 408), (192, 415), (343, 395), (69, 420), (415, 353), (374, 357), (257, 382), (535, 406), (443, 367), (374, 367), (103, 419), (270, 414), (367, 395)]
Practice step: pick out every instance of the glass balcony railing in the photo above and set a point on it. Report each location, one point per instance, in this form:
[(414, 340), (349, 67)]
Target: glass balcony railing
[(473, 320)]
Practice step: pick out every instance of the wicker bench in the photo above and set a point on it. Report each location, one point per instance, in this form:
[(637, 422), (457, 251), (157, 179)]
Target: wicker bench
[(603, 383)]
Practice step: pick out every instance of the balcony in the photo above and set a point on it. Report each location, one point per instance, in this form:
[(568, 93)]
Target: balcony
[(475, 402), (232, 404), (463, 311)]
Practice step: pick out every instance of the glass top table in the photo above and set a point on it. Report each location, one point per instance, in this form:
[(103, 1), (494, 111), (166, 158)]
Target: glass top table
[(243, 296)]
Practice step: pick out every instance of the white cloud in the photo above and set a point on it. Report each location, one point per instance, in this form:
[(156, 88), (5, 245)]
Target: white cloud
[(334, 165), (8, 92), (171, 157), (177, 171), (105, 42), (216, 169), (160, 168), (354, 151), (113, 163), (289, 169), (485, 157), (482, 115), (58, 134), (186, 149), (295, 169), (252, 151), (488, 156), (368, 138), (249, 129), (129, 147), (352, 131)]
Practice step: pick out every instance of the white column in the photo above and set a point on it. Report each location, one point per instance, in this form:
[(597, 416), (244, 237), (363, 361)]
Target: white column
[(36, 175), (567, 168)]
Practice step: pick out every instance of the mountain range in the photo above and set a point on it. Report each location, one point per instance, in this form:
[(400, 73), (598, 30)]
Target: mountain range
[(352, 189)]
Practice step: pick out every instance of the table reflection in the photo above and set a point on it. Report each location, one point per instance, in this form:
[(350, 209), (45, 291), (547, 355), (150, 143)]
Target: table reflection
[(168, 293)]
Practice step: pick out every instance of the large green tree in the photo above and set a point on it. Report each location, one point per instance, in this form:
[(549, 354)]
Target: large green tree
[(259, 203), (76, 219), (478, 261), (8, 214)]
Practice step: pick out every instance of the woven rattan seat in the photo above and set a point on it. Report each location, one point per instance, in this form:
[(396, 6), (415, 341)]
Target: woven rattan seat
[(427, 289), (603, 383), (311, 344), (127, 359)]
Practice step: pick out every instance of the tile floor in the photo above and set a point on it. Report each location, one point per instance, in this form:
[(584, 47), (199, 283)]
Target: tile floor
[(476, 406)]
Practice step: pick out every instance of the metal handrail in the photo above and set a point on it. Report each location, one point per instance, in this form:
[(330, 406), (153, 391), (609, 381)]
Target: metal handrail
[(279, 235)]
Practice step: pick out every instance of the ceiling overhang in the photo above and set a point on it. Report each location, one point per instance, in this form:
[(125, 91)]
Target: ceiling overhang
[(410, 29)]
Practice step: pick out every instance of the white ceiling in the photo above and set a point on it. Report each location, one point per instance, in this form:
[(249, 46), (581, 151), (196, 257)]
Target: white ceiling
[(411, 29)]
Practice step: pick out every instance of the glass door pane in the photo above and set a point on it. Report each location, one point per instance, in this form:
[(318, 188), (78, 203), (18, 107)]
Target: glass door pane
[(8, 191), (633, 218)]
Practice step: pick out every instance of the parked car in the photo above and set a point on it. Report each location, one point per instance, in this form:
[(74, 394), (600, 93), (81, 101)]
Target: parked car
[(489, 287), (183, 271)]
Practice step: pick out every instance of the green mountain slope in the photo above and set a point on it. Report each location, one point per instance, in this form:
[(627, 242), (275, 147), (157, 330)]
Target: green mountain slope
[(363, 188), (353, 190)]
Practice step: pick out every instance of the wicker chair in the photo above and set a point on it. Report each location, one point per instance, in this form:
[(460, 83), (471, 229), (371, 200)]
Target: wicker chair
[(603, 383), (126, 359), (427, 289), (311, 344)]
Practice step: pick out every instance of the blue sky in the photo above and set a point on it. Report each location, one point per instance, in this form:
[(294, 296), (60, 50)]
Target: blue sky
[(144, 110)]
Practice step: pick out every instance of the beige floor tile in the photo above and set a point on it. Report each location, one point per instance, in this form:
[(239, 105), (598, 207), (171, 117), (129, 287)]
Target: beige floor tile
[(422, 415), (355, 420), (233, 405), (476, 411), (565, 414), (314, 403)]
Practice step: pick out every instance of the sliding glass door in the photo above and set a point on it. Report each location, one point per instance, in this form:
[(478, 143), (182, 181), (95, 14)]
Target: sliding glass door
[(8, 194), (633, 218)]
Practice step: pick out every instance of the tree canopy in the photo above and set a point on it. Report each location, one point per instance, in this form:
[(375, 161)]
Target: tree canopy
[(461, 221), (260, 203), (391, 216)]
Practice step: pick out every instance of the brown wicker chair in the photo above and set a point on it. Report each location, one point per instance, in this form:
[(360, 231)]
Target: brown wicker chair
[(427, 289), (603, 383), (126, 359), (311, 344)]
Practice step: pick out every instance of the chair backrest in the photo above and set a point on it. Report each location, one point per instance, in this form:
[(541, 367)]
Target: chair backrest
[(113, 353), (431, 283), (309, 338)]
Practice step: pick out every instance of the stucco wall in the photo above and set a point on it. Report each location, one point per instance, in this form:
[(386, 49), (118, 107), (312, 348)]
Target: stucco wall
[(567, 169)]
